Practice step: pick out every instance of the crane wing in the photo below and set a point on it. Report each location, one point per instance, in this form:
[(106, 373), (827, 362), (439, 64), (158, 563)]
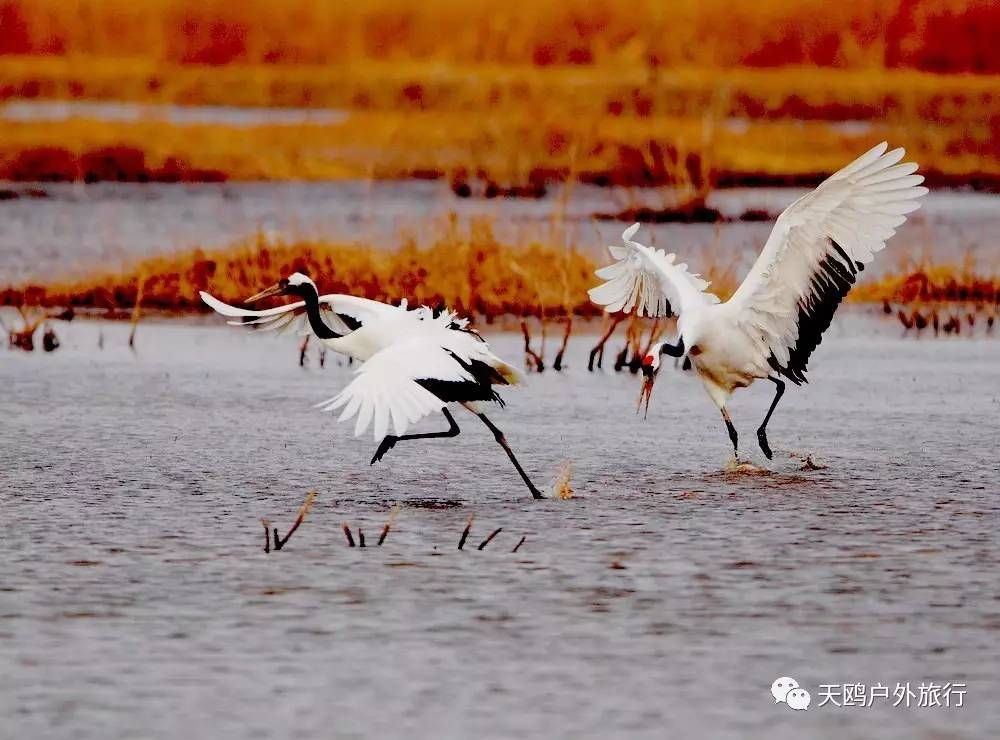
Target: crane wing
[(647, 280), (342, 313), (813, 255), (386, 388)]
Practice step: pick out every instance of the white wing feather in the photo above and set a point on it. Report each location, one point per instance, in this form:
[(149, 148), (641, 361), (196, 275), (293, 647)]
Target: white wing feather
[(648, 280), (385, 390), (280, 318), (818, 245), (418, 344)]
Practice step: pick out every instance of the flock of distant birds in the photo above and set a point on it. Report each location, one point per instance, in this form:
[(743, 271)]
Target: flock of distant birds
[(918, 319), (417, 362)]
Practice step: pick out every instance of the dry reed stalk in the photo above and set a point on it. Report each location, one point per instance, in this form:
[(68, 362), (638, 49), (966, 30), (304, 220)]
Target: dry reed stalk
[(267, 534), (280, 542), (489, 539), (465, 532), (347, 533), (134, 321), (393, 512)]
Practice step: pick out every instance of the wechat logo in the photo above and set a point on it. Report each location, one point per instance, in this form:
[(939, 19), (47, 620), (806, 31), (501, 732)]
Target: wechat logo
[(787, 690)]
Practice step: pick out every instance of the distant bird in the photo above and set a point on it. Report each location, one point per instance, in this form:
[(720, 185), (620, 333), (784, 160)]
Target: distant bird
[(774, 321), (415, 362)]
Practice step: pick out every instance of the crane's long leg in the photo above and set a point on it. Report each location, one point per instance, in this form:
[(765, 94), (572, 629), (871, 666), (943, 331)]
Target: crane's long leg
[(762, 432), (598, 350), (510, 453), (731, 428), (390, 440)]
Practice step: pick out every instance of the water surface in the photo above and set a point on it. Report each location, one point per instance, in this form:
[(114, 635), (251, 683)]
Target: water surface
[(77, 227), (663, 600)]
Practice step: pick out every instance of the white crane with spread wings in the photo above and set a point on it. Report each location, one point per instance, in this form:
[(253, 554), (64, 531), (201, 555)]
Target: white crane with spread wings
[(774, 321), (415, 362)]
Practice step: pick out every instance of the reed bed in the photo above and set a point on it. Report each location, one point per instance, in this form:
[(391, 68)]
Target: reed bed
[(929, 283), (531, 139), (463, 266), (515, 96), (622, 90), (853, 33), (467, 269)]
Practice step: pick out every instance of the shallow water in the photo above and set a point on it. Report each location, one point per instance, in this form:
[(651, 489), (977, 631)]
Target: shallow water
[(661, 601), (26, 111), (78, 227)]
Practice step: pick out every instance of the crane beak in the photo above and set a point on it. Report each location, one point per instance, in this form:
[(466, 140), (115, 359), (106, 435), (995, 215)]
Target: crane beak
[(276, 289), (646, 392)]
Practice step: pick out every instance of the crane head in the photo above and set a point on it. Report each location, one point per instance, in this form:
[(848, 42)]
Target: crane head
[(650, 369), (295, 284)]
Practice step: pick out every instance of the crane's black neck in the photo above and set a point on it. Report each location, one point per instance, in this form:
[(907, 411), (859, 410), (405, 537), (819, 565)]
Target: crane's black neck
[(319, 327)]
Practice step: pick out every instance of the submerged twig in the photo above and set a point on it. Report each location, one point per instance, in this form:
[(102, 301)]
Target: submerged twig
[(465, 532), (280, 542), (136, 311), (267, 535), (519, 543), (348, 535), (388, 525), (361, 538), (489, 539)]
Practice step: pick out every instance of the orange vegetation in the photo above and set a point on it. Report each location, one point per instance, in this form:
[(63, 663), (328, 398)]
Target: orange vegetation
[(516, 146), (467, 269), (932, 284), (934, 35), (518, 93)]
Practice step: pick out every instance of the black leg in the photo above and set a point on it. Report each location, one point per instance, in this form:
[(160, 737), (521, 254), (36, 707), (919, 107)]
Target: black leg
[(598, 350), (762, 432), (510, 453), (593, 356), (672, 350), (732, 430), (390, 440)]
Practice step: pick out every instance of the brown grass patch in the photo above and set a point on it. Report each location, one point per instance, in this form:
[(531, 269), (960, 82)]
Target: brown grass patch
[(515, 147), (468, 270), (465, 268), (939, 35), (514, 94), (932, 284)]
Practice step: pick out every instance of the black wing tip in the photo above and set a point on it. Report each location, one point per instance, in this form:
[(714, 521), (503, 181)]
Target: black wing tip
[(831, 282)]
